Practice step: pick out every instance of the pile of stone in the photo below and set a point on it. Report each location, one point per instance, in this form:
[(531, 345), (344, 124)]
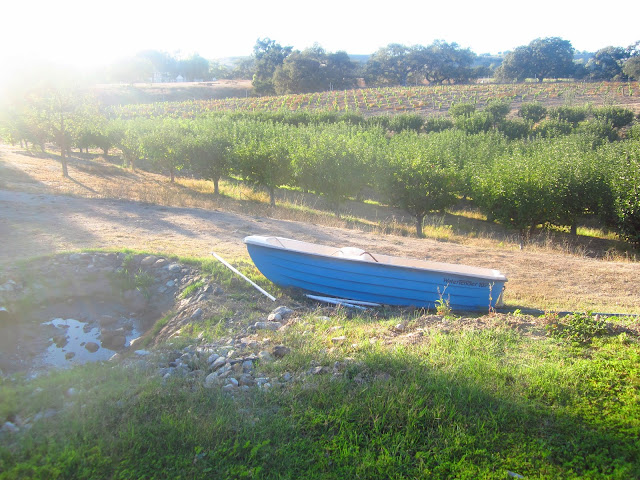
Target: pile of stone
[(231, 364)]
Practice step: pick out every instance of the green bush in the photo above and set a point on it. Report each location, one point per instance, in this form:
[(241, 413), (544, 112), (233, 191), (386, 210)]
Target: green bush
[(579, 328), (498, 109), (552, 128), (533, 111), (634, 132), (625, 180), (437, 124), (514, 129), (598, 131), (573, 115), (477, 123), (379, 121), (618, 117), (406, 121), (462, 110)]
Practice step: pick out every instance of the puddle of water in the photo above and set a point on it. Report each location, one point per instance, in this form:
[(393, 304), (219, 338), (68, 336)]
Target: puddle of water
[(78, 335)]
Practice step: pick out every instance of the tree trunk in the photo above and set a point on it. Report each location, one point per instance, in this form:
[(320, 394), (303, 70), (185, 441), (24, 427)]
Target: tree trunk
[(574, 229), (523, 236), (105, 151), (173, 175), (216, 190), (419, 223), (272, 196), (63, 161)]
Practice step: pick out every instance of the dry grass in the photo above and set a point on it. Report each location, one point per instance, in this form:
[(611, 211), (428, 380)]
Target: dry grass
[(554, 272)]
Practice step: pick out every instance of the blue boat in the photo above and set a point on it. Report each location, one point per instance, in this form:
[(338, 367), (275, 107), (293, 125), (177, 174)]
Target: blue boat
[(355, 274)]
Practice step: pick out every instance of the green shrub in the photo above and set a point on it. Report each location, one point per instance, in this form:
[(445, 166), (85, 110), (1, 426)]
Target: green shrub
[(476, 123), (406, 121), (552, 128), (437, 124), (462, 110), (498, 109), (573, 115), (580, 328), (533, 111), (379, 121), (514, 129), (618, 117), (634, 132), (598, 131), (626, 191)]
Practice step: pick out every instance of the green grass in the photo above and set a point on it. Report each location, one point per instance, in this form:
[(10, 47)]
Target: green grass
[(192, 287), (464, 404)]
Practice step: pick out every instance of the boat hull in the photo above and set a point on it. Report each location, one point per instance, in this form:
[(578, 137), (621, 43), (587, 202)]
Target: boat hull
[(369, 280)]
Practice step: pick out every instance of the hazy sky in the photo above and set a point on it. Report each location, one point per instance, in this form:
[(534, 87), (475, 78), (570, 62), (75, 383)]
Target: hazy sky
[(91, 32)]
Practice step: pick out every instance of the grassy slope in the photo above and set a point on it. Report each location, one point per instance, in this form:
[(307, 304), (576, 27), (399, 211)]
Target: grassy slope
[(438, 396)]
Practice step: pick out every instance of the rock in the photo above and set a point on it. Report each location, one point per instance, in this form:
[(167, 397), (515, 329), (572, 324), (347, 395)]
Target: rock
[(10, 427), (69, 355), (318, 370), (107, 321), (174, 267), (148, 260), (280, 351), (229, 387), (287, 377), (113, 339), (336, 328), (135, 341), (218, 291), (219, 362), (142, 353), (196, 314), (247, 366), (211, 380), (8, 286), (233, 381), (338, 340), (161, 262), (196, 374), (71, 392), (261, 381), (267, 325), (60, 340), (135, 300), (283, 311), (212, 358), (170, 283), (265, 356), (76, 257), (246, 380)]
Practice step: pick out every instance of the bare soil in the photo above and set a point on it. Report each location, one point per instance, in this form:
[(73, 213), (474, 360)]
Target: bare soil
[(43, 213)]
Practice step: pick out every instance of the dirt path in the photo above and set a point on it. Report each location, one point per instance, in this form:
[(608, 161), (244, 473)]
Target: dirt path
[(34, 224)]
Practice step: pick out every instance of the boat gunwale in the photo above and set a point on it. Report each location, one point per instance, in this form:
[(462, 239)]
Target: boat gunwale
[(402, 262)]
